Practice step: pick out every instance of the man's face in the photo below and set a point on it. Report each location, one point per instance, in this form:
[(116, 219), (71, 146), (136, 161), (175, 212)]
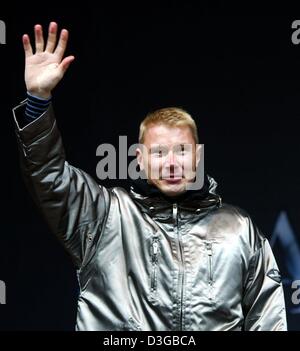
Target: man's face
[(169, 157)]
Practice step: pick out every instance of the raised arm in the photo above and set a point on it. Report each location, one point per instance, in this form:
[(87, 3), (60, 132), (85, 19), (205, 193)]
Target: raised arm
[(73, 203)]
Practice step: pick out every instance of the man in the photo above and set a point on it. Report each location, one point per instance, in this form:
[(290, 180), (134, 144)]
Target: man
[(161, 257)]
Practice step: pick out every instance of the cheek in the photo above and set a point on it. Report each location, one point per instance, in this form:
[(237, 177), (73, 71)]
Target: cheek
[(154, 168), (155, 163), (189, 163)]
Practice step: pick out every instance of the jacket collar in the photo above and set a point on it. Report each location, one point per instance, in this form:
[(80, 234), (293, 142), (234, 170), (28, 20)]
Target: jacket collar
[(151, 200)]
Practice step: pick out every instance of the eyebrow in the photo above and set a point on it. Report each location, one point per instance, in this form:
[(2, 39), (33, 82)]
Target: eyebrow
[(158, 147)]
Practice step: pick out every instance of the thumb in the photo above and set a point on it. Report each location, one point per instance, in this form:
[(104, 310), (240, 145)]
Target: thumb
[(65, 63)]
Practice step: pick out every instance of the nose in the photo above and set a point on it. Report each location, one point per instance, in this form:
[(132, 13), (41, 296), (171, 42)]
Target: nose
[(171, 166), (170, 159)]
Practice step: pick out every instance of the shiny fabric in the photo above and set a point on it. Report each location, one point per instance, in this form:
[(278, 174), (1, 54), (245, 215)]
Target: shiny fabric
[(147, 263)]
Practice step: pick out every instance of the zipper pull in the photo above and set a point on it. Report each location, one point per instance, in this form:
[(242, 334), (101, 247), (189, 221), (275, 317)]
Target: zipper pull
[(209, 248), (154, 250), (175, 210)]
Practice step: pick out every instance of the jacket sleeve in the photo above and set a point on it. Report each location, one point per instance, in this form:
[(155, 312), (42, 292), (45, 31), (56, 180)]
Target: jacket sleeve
[(73, 204), (263, 300)]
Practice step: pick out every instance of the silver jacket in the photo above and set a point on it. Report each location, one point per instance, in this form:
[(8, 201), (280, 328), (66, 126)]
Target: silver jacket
[(146, 263)]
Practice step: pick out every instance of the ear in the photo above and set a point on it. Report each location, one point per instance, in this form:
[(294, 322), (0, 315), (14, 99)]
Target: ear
[(140, 157), (198, 153)]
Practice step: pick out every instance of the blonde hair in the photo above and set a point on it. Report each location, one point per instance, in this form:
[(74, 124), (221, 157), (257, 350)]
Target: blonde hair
[(171, 116)]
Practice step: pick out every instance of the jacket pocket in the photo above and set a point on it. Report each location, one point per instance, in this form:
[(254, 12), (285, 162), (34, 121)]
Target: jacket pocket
[(154, 264), (210, 275)]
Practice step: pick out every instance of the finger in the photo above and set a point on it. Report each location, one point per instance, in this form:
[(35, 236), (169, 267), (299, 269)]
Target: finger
[(62, 44), (26, 45), (65, 63), (52, 32), (39, 40)]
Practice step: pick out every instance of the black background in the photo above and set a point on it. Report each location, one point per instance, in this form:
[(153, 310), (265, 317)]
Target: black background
[(235, 70)]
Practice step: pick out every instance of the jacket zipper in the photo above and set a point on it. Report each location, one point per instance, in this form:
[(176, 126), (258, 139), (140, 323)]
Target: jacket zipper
[(154, 264), (181, 270), (210, 274)]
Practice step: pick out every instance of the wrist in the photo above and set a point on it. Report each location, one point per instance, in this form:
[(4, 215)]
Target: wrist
[(39, 94)]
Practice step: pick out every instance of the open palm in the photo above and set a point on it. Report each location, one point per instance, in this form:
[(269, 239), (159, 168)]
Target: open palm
[(46, 67)]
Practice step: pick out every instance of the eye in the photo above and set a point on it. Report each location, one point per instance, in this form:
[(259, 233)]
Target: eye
[(158, 152), (181, 151)]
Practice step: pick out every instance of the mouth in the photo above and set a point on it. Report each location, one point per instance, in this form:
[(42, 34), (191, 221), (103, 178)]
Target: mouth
[(173, 180)]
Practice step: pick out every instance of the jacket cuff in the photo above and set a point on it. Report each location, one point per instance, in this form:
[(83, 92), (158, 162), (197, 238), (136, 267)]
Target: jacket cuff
[(34, 130)]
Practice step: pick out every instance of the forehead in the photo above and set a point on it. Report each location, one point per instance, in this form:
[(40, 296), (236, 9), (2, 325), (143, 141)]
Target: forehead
[(168, 135)]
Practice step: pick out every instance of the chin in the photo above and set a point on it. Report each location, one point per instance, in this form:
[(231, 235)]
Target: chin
[(173, 190)]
